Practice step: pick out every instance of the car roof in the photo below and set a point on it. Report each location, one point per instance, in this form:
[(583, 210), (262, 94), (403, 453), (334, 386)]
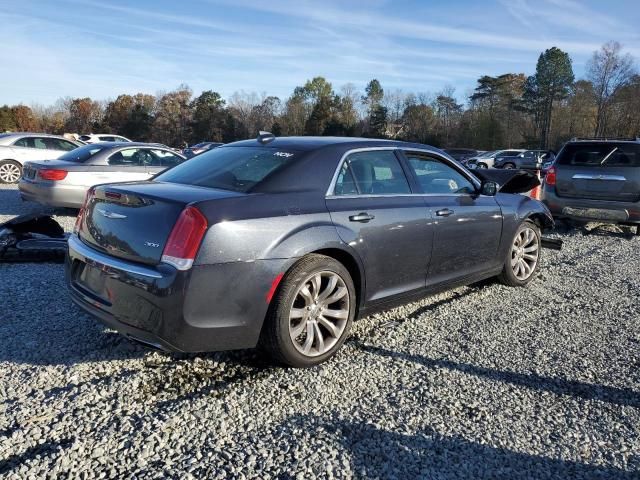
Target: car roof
[(305, 144), (30, 134)]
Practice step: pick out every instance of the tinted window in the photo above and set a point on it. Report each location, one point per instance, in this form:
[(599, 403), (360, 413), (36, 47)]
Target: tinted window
[(510, 153), (82, 154), (230, 168), (58, 144), (374, 173), (437, 177), (604, 154), (107, 139)]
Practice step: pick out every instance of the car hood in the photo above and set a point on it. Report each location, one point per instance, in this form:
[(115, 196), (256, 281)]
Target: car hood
[(509, 181)]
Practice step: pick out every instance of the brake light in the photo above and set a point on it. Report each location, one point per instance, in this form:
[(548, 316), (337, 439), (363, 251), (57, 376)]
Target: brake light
[(185, 238), (550, 177), (52, 174), (80, 217)]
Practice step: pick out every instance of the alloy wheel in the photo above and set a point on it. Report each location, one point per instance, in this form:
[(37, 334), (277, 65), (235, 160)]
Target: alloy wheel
[(525, 253), (319, 313), (9, 173)]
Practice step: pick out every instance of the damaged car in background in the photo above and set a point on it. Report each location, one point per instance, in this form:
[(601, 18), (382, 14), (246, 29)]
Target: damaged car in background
[(284, 242)]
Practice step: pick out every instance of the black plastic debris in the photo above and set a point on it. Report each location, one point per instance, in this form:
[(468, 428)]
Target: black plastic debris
[(509, 181), (32, 238)]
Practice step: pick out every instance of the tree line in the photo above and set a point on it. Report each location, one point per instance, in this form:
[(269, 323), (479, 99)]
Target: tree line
[(505, 111)]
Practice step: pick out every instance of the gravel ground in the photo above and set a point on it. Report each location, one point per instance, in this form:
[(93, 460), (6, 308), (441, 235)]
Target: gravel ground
[(480, 382)]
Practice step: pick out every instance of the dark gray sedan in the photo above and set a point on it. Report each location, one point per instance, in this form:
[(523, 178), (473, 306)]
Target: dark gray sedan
[(64, 182), (285, 241)]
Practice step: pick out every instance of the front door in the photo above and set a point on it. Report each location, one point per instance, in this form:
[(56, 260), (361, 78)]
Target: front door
[(377, 214), (468, 226)]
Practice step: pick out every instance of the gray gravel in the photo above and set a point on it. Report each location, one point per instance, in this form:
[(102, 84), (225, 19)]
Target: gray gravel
[(480, 382)]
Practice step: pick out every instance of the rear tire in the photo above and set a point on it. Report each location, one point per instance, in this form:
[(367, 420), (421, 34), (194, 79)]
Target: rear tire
[(482, 165), (10, 171), (311, 314), (523, 259)]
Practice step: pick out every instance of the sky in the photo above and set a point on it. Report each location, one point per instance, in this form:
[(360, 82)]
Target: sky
[(100, 49)]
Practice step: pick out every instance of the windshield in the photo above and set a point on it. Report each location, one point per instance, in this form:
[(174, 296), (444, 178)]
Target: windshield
[(229, 168), (82, 154), (600, 155)]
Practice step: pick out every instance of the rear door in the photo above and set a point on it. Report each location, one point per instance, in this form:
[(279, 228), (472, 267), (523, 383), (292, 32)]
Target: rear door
[(468, 226), (599, 171), (378, 215)]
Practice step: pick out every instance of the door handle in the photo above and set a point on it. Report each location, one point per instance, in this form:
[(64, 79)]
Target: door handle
[(445, 212), (363, 217)]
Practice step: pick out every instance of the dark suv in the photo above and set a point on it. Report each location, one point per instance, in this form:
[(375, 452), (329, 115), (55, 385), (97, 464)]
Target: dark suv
[(596, 180)]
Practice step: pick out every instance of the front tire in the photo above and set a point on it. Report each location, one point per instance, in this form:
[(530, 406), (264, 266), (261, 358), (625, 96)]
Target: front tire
[(482, 165), (523, 260), (509, 166), (10, 171), (311, 314)]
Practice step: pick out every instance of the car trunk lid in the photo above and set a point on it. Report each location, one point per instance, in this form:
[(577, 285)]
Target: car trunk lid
[(133, 221)]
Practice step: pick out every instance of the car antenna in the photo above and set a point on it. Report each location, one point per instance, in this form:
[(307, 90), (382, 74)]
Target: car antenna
[(265, 137)]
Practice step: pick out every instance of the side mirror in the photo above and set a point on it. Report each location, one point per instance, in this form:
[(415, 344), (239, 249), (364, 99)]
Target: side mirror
[(489, 189)]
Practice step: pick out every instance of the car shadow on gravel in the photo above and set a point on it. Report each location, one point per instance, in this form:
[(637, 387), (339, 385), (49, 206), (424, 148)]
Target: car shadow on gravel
[(558, 386), (378, 453)]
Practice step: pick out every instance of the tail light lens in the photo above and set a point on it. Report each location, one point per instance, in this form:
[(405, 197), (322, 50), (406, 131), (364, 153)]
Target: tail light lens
[(80, 217), (550, 177), (52, 174), (185, 238)]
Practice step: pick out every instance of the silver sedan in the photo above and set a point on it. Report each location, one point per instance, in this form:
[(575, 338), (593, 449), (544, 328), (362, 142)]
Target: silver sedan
[(65, 181)]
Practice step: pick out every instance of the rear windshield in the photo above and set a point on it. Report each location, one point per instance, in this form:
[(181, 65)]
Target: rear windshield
[(82, 154), (600, 155), (229, 168)]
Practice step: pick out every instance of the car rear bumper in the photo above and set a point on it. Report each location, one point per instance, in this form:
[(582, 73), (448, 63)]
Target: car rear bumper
[(52, 194), (584, 209), (208, 308)]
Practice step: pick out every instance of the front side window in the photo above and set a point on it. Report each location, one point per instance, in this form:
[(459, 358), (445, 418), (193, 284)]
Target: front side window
[(372, 173), (240, 169), (164, 158), (436, 177), (58, 144)]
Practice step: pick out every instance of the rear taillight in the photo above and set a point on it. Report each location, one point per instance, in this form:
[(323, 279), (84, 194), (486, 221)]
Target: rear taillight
[(83, 209), (185, 239), (550, 177), (52, 174)]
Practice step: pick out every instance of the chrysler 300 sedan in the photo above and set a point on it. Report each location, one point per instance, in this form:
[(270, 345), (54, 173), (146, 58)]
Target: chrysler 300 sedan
[(64, 182), (283, 242)]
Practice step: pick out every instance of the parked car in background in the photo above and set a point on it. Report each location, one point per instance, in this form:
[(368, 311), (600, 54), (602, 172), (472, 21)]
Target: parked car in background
[(199, 148), (103, 137), (527, 160), (285, 241), (487, 160), (595, 180), (461, 154), (18, 148), (65, 181)]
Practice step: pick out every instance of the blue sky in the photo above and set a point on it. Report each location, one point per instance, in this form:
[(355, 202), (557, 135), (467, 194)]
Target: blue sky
[(95, 48)]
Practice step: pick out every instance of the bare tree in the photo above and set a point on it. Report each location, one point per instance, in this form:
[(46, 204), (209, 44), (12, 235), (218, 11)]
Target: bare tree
[(609, 70)]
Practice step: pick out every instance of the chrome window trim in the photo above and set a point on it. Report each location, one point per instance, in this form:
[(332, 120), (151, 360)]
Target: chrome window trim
[(405, 150), (94, 258), (584, 176)]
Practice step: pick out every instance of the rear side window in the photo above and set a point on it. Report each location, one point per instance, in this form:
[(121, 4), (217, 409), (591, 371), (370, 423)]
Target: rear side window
[(31, 142), (164, 158), (372, 173), (600, 155), (239, 169), (132, 157)]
